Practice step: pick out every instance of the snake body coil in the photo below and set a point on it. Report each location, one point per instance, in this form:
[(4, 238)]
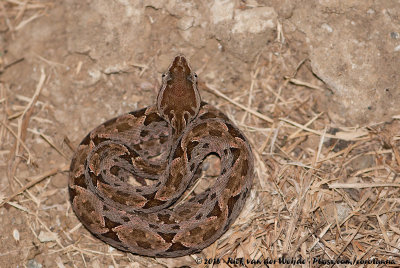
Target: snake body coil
[(165, 143)]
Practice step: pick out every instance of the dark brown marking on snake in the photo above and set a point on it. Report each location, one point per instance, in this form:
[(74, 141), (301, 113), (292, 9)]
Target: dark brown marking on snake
[(189, 149), (144, 133), (177, 247), (215, 132), (216, 211), (166, 219), (112, 235), (231, 203), (139, 113), (152, 201), (168, 237)]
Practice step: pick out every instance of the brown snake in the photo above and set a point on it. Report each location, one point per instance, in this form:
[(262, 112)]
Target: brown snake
[(167, 143)]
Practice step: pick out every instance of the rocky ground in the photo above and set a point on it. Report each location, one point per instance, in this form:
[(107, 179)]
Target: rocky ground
[(313, 84)]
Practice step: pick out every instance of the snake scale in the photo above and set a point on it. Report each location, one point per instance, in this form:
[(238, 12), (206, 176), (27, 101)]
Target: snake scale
[(165, 144)]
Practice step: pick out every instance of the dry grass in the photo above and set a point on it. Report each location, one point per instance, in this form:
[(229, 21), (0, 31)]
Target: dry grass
[(320, 191)]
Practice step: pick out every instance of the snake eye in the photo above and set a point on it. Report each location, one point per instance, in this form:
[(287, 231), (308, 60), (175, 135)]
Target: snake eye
[(192, 78), (163, 75)]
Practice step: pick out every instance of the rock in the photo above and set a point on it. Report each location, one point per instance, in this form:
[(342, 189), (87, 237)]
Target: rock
[(221, 11), (185, 23), (156, 4), (182, 8), (47, 236), (33, 264), (196, 36), (243, 32), (16, 235), (109, 32), (255, 20), (191, 21), (352, 47)]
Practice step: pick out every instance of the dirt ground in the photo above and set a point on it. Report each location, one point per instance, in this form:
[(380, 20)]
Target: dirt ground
[(323, 193)]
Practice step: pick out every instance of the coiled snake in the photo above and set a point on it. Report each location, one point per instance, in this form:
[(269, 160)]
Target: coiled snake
[(166, 143)]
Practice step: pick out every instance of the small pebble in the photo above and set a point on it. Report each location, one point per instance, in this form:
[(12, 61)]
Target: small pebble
[(16, 235), (33, 264)]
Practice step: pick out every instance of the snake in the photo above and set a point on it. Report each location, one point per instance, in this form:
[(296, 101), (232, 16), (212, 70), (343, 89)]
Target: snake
[(128, 175)]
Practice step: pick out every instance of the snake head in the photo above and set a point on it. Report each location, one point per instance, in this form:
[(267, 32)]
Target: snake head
[(178, 100)]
